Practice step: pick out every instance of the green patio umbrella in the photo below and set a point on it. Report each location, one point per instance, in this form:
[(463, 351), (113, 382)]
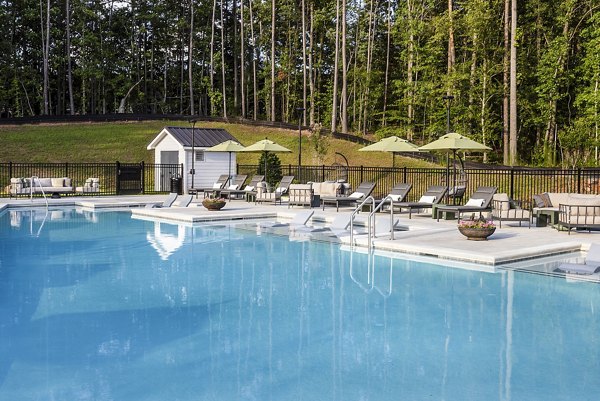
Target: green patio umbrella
[(227, 146), (453, 142), (265, 146), (391, 144)]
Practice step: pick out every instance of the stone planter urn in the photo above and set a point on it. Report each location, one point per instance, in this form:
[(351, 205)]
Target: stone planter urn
[(213, 204), (476, 233)]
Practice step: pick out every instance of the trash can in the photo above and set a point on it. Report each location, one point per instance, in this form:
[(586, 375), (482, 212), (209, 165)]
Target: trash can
[(176, 186)]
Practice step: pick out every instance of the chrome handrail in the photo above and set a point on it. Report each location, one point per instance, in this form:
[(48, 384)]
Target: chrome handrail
[(372, 216), (41, 187), (355, 212)]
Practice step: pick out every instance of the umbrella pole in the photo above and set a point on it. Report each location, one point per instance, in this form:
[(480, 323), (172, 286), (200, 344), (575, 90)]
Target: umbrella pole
[(229, 167), (454, 176), (448, 177), (266, 175)]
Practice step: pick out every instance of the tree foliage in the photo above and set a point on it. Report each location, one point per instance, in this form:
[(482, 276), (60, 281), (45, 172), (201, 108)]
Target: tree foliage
[(136, 54)]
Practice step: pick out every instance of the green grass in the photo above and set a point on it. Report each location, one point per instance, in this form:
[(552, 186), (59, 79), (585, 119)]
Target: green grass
[(127, 141)]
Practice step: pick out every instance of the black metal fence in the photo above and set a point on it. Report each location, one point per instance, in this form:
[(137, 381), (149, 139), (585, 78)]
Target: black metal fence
[(113, 178), (519, 183), (145, 178)]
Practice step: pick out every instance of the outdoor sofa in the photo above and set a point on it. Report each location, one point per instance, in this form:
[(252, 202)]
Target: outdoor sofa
[(25, 186), (568, 210)]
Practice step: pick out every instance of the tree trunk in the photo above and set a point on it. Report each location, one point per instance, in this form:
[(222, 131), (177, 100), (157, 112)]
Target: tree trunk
[(236, 82), (451, 51), (254, 58), (409, 69), (311, 77), (344, 97), (69, 69), (506, 87), (513, 84), (212, 58), (272, 60), (190, 57), (387, 61), (304, 77), (242, 60), (334, 96), (45, 30), (124, 99), (223, 61)]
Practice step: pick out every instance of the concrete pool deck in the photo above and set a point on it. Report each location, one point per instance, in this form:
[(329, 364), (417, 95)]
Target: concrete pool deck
[(420, 235)]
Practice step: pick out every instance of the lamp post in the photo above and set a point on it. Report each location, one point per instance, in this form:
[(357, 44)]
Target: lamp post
[(193, 170), (300, 110), (449, 99)]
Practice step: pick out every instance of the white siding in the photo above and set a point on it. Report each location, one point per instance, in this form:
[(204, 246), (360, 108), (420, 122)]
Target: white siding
[(209, 170)]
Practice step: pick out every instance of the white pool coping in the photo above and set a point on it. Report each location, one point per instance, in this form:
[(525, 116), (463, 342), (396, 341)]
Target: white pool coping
[(422, 235)]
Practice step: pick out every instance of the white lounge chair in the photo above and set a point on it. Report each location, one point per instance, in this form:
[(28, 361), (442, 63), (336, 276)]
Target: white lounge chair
[(183, 201), (299, 220), (590, 266), (166, 203)]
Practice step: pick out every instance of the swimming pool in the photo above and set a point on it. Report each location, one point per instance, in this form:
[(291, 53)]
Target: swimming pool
[(99, 306)]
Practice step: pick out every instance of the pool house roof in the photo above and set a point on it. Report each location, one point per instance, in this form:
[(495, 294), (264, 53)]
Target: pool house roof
[(203, 137)]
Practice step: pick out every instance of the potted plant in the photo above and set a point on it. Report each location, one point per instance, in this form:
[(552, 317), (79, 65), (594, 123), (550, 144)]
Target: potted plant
[(476, 230), (213, 203)]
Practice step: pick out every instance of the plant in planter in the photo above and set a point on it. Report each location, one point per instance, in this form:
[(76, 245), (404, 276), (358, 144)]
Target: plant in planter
[(214, 203), (476, 230)]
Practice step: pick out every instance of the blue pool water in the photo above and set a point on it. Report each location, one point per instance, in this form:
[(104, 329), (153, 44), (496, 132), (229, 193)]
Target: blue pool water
[(105, 307)]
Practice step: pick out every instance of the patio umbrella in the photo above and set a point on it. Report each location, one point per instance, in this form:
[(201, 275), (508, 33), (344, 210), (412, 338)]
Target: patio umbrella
[(454, 142), (391, 144), (227, 146), (265, 146)]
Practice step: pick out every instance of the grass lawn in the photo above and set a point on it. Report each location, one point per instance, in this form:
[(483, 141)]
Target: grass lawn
[(127, 141)]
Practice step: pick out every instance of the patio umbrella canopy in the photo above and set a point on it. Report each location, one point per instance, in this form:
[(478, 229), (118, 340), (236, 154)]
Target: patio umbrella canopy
[(391, 144), (454, 142), (265, 146), (227, 146)]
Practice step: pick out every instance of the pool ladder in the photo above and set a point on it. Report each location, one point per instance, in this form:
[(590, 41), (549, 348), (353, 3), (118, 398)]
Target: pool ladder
[(371, 232), (41, 187)]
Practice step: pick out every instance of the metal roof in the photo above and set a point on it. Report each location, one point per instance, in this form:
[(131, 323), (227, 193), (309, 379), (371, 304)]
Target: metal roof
[(203, 137)]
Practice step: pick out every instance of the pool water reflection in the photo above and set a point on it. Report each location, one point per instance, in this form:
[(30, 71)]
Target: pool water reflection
[(111, 308)]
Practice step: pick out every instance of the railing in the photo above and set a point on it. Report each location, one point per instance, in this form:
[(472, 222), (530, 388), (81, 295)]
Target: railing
[(114, 178), (355, 212), (372, 216), (519, 183), (36, 180)]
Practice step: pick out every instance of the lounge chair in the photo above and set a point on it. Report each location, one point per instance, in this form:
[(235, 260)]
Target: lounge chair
[(590, 266), (398, 193), (362, 192), (249, 189), (506, 209), (299, 220), (275, 196), (432, 196), (166, 203), (219, 184), (183, 201), (235, 187), (480, 201)]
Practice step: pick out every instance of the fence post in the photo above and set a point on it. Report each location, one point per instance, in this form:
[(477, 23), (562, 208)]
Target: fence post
[(67, 169), (10, 172), (578, 180), (142, 166), (512, 183), (361, 173), (322, 173), (404, 174), (117, 178)]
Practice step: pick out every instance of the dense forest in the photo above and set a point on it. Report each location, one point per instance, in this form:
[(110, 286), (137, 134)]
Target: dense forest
[(521, 76)]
